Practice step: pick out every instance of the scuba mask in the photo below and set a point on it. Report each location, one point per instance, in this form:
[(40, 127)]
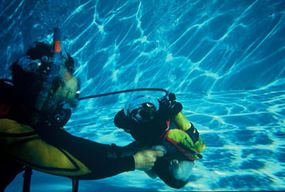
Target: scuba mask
[(141, 108), (146, 112)]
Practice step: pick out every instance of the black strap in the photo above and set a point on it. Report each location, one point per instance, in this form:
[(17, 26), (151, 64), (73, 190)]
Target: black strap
[(75, 185), (193, 133), (27, 179)]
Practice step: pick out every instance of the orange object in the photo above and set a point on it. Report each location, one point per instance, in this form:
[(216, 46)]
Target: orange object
[(57, 47)]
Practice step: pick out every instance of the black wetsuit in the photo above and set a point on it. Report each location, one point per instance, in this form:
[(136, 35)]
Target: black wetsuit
[(150, 134), (102, 160), (9, 167)]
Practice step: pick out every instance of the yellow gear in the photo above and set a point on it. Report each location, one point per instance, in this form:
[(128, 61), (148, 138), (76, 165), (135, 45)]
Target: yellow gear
[(184, 143), (22, 143)]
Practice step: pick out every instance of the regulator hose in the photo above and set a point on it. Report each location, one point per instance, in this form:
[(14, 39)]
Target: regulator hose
[(123, 91)]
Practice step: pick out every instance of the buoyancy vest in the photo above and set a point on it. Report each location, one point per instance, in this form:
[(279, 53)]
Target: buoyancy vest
[(19, 141), (60, 153)]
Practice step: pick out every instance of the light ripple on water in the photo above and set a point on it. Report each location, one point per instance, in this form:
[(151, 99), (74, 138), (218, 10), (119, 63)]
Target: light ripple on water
[(224, 60), (248, 148)]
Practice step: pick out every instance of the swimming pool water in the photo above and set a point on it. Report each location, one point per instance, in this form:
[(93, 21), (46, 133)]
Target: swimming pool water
[(223, 59)]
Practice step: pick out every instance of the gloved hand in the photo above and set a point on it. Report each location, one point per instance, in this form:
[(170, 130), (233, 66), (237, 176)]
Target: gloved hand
[(182, 142), (169, 102), (168, 99), (145, 159)]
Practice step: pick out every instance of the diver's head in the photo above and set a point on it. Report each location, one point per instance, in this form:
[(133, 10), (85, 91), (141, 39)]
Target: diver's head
[(174, 172), (37, 79), (141, 108)]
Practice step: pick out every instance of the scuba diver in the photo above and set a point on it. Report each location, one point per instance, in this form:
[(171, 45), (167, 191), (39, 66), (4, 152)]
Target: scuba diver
[(160, 123), (34, 107)]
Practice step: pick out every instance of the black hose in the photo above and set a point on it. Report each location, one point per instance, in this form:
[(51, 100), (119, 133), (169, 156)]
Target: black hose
[(123, 91), (112, 93)]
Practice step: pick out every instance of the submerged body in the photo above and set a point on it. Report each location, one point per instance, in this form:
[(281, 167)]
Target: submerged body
[(49, 149), (34, 107), (166, 128)]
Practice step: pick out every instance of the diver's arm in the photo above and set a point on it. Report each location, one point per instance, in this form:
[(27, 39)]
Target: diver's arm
[(184, 124), (175, 113), (129, 149), (60, 153), (101, 159)]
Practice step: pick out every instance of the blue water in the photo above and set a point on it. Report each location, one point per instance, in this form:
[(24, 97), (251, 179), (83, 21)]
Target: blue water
[(224, 60)]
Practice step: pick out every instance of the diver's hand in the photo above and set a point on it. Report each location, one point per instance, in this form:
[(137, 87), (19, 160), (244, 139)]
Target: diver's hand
[(145, 159)]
